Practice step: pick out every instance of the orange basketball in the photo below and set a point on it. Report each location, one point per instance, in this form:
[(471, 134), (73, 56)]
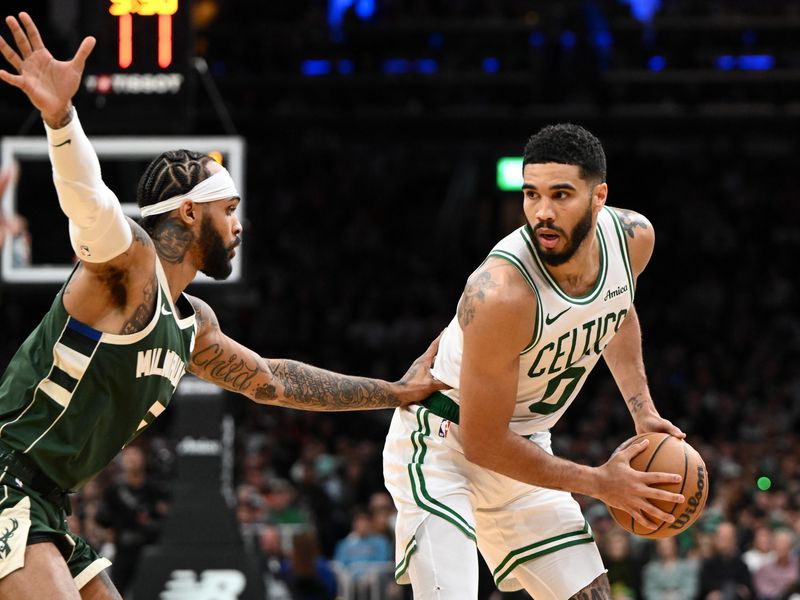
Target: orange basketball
[(668, 454)]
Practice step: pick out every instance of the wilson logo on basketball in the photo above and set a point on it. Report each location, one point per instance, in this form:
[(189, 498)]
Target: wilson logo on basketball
[(694, 502)]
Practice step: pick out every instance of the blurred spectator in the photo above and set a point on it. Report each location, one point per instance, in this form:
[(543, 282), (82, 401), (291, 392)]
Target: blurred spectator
[(133, 507), (282, 504), (724, 575), (7, 175), (760, 552), (251, 513), (309, 473), (274, 564), (624, 571), (668, 576), (13, 227), (775, 578), (87, 505), (363, 548), (382, 514), (310, 575)]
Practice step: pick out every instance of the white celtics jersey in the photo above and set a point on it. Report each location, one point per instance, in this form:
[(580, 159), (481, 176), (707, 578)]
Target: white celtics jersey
[(570, 332)]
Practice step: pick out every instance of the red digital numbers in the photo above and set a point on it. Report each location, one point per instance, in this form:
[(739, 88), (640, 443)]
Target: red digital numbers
[(125, 9)]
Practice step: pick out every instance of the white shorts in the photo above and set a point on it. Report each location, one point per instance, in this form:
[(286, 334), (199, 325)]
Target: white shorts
[(512, 523)]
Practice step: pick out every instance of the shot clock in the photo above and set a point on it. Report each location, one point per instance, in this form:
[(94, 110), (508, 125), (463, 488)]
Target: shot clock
[(139, 77), (124, 11)]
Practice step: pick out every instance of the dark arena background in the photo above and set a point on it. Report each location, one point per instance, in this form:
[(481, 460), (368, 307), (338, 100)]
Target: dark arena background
[(370, 136)]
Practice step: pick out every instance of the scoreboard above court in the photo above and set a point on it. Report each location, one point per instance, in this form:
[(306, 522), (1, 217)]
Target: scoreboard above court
[(139, 77)]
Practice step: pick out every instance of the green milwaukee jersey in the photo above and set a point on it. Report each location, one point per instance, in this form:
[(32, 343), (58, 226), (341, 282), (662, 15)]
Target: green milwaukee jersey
[(73, 396)]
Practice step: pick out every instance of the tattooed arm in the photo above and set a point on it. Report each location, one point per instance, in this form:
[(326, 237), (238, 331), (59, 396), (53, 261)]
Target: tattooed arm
[(219, 359), (639, 237), (623, 355)]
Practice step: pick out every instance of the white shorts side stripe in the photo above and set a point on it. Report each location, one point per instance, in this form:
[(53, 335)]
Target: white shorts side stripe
[(421, 496), (402, 566), (540, 548)]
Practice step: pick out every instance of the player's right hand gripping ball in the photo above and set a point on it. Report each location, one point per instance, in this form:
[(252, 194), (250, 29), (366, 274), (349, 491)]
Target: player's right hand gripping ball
[(668, 454)]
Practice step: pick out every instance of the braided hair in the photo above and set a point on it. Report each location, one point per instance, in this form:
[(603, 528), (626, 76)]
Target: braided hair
[(172, 173)]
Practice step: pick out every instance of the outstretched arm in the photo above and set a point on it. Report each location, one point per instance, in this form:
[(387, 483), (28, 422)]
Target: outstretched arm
[(98, 228), (220, 360)]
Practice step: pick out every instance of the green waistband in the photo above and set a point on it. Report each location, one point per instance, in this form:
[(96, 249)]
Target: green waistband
[(442, 406)]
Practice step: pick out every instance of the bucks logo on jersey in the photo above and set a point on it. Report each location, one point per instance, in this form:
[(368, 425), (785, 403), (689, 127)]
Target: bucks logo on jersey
[(5, 536)]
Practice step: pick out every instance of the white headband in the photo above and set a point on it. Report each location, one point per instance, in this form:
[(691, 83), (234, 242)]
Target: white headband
[(219, 186)]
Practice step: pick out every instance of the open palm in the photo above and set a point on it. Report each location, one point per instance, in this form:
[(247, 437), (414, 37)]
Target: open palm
[(50, 84)]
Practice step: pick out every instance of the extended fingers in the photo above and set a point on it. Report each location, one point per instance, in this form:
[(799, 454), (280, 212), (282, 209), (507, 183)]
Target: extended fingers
[(652, 516), (665, 496), (659, 478), (674, 430), (642, 519), (15, 80), (20, 38), (34, 37), (8, 53), (85, 49), (433, 349), (632, 450)]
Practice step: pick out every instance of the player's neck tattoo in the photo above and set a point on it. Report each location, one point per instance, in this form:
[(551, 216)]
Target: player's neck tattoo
[(172, 240)]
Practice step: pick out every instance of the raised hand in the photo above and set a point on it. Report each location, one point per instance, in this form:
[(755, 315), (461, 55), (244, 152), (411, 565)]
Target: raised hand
[(50, 84)]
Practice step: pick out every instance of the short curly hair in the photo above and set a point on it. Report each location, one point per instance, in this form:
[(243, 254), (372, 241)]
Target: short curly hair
[(567, 144)]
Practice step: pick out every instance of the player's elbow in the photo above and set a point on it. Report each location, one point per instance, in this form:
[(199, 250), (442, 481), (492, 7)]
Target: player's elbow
[(474, 446), (474, 456)]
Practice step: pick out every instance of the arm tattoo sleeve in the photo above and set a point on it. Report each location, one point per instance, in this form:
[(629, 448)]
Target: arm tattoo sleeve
[(230, 371), (311, 388)]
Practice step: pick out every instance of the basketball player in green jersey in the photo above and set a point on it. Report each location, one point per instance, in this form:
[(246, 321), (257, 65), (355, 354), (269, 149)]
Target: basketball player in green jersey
[(473, 465), (106, 358)]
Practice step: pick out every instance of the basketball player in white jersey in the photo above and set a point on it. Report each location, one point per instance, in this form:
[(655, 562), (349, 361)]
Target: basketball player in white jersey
[(473, 465)]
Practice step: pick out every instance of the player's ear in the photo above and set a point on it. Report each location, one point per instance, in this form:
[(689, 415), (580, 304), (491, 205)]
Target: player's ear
[(599, 195), (187, 212)]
